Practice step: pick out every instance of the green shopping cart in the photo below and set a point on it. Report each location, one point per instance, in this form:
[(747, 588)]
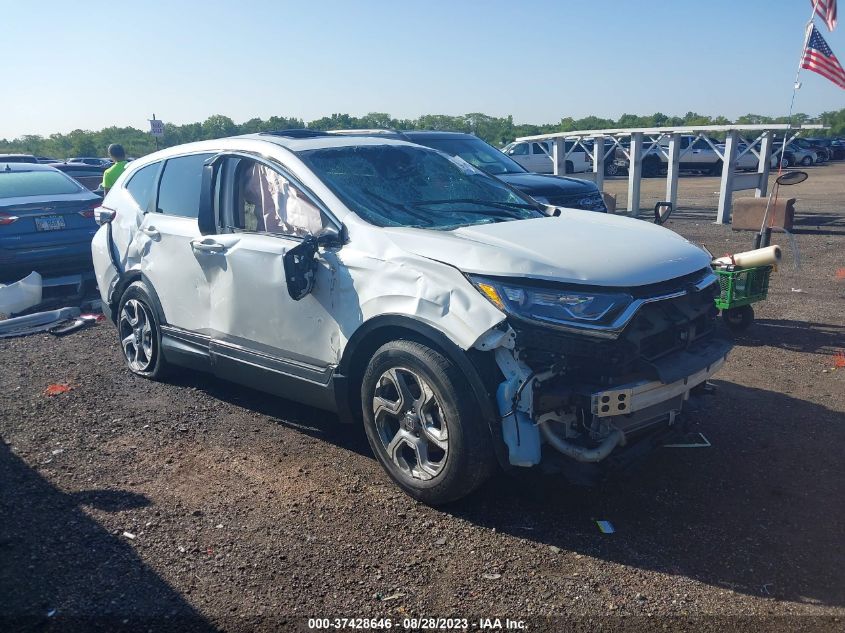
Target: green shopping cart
[(740, 287)]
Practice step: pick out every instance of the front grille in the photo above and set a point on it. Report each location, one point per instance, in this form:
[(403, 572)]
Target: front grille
[(586, 201)]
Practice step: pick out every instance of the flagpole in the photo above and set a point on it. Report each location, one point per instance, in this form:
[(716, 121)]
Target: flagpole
[(795, 87), (795, 84)]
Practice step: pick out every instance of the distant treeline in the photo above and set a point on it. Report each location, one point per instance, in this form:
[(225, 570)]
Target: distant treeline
[(495, 130)]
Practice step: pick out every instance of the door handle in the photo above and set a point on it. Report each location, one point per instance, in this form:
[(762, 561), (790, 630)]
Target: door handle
[(151, 231), (207, 246)]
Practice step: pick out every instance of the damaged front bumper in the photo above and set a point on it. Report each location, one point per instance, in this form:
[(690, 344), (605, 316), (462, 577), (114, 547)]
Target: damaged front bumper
[(586, 422)]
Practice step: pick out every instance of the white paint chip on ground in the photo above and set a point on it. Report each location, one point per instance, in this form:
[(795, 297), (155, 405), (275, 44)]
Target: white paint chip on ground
[(129, 535), (703, 442)]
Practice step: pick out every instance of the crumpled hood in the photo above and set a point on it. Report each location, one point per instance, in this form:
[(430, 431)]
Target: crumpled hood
[(576, 247)]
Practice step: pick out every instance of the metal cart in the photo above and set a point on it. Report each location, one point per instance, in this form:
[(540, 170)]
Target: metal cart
[(740, 287)]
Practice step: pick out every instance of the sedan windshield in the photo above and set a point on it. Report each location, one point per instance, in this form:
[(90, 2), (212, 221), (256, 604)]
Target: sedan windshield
[(476, 152), (406, 185)]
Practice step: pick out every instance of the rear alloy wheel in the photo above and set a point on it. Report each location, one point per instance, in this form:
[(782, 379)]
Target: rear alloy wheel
[(422, 423), (807, 161), (611, 169), (139, 332)]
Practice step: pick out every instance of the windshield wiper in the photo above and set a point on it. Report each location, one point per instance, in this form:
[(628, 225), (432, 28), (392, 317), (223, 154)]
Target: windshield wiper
[(492, 203)]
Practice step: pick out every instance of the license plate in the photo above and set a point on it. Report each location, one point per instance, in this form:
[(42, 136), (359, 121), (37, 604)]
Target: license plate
[(50, 223)]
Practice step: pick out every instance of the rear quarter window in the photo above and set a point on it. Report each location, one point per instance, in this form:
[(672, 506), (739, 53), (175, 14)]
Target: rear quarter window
[(15, 184), (141, 185)]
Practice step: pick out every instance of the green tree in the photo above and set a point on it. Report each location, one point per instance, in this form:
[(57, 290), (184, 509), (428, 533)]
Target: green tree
[(218, 126), (495, 130)]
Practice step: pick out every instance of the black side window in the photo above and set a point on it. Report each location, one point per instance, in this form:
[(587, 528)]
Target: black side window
[(142, 185), (179, 190), (538, 150)]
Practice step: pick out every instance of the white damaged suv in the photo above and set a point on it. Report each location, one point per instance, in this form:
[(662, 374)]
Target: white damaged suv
[(462, 323)]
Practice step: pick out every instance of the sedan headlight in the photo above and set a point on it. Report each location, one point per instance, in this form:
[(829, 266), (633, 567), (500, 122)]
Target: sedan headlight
[(553, 305)]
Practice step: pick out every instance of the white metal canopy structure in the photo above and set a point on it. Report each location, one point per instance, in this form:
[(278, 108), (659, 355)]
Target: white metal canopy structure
[(635, 143)]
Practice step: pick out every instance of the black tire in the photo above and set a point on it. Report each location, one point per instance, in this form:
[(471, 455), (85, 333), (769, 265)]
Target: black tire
[(738, 319), (786, 161), (568, 167), (156, 367), (716, 169), (468, 460), (651, 168), (807, 161)]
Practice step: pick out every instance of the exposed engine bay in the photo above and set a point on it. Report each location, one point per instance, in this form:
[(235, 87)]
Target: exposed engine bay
[(585, 394)]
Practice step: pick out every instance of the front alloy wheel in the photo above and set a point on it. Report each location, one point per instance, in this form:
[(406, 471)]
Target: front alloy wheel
[(136, 335), (410, 423), (424, 422)]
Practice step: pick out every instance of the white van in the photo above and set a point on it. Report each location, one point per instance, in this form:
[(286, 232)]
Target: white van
[(536, 156)]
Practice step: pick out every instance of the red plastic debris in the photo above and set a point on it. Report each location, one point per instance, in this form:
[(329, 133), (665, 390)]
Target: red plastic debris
[(56, 389), (839, 360), (840, 274)]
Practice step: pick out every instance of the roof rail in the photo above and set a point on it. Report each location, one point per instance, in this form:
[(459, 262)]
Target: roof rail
[(297, 133), (366, 131)]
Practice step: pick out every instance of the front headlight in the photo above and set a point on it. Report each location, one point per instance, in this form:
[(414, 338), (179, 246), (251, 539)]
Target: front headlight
[(553, 305)]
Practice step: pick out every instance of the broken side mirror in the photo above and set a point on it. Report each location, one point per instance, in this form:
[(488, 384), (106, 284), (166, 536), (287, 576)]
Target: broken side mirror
[(329, 237), (300, 262), (206, 217), (104, 215), (300, 265)]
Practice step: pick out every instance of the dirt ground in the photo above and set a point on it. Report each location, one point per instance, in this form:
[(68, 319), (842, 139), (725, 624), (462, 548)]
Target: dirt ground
[(199, 505)]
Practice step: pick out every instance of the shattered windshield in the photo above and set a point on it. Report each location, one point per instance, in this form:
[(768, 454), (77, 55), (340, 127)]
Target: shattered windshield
[(405, 185)]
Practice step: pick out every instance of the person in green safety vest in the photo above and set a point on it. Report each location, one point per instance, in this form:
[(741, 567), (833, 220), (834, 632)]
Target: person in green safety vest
[(110, 176)]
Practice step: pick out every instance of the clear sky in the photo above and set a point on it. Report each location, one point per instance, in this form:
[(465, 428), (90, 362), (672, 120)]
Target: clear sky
[(92, 64)]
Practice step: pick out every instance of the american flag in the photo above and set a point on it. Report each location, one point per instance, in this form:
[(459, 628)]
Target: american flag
[(820, 59), (826, 10)]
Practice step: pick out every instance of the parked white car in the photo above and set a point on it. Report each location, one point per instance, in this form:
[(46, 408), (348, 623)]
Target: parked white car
[(404, 288), (537, 157)]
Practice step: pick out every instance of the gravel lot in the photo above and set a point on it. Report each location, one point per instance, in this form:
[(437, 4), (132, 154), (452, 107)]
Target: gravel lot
[(201, 505)]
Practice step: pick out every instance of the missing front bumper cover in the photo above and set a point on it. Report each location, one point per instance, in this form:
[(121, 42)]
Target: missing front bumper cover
[(698, 365)]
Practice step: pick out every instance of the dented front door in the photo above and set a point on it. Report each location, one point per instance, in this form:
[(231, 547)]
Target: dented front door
[(251, 307)]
